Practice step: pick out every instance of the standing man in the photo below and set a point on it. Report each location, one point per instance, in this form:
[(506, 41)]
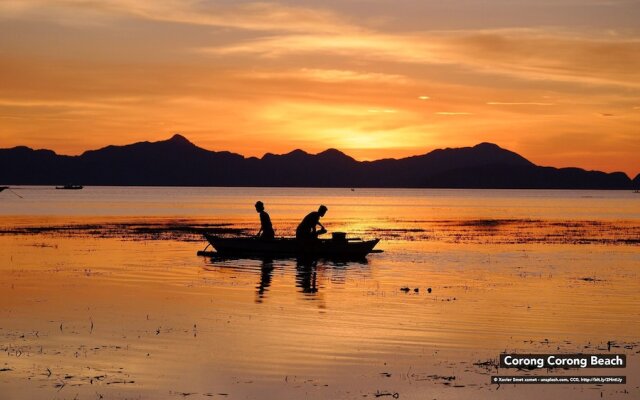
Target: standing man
[(266, 229), (307, 228)]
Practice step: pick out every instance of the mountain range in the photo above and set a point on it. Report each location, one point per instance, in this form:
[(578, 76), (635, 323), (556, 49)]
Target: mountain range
[(178, 162)]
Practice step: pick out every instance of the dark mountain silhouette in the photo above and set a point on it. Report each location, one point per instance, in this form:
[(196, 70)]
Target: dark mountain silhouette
[(178, 162)]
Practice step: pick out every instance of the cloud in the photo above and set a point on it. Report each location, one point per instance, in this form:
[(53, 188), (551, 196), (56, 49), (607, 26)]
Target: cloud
[(253, 16), (544, 54), (452, 113), (525, 54), (116, 103), (278, 30), (384, 111), (364, 45), (330, 76), (501, 103)]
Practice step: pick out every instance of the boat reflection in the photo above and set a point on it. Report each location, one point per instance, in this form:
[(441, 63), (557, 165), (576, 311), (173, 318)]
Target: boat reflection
[(306, 273), (307, 276)]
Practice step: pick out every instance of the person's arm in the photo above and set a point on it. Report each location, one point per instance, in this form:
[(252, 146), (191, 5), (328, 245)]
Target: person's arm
[(259, 232), (321, 231)]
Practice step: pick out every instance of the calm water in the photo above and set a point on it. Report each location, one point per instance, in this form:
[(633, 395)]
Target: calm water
[(358, 204), (110, 300)]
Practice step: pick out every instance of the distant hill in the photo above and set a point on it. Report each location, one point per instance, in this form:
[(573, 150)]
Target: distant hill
[(178, 162)]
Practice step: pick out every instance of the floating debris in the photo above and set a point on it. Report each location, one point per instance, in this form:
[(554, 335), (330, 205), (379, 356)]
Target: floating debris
[(591, 279)]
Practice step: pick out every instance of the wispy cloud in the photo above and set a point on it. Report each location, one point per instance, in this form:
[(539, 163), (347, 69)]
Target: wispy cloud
[(59, 103), (254, 16), (452, 113), (330, 76), (502, 103), (279, 30), (384, 111), (365, 45), (545, 54), (526, 54)]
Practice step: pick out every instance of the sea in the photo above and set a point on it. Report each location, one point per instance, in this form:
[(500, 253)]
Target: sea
[(103, 295)]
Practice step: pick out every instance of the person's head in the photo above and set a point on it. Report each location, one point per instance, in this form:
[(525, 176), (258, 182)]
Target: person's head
[(259, 206), (322, 210)]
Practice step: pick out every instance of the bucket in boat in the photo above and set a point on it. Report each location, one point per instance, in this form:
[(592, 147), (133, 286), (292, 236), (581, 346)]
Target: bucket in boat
[(339, 236)]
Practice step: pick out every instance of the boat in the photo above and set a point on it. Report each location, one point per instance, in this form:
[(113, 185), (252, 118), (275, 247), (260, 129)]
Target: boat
[(290, 247), (70, 187)]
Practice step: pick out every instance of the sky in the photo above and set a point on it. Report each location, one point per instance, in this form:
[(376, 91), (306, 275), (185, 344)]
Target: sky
[(557, 81)]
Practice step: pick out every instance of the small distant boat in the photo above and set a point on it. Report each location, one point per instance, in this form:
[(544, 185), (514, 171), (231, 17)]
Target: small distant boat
[(70, 187), (290, 247)]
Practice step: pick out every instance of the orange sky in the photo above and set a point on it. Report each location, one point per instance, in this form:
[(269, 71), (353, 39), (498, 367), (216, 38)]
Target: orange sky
[(556, 81)]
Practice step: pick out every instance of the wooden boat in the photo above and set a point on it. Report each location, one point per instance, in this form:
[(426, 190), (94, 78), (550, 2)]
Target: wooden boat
[(290, 247), (70, 187)]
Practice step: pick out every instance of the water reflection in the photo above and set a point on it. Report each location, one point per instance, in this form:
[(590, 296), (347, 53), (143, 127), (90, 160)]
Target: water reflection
[(307, 276), (266, 273)]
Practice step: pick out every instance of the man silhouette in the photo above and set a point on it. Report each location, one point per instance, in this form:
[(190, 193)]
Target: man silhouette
[(307, 228), (266, 229)]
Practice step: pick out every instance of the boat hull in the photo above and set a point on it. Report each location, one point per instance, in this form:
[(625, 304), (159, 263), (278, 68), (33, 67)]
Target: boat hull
[(285, 247), (70, 187)]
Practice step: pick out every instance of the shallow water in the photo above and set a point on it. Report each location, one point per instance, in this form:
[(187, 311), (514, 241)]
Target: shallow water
[(110, 299)]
